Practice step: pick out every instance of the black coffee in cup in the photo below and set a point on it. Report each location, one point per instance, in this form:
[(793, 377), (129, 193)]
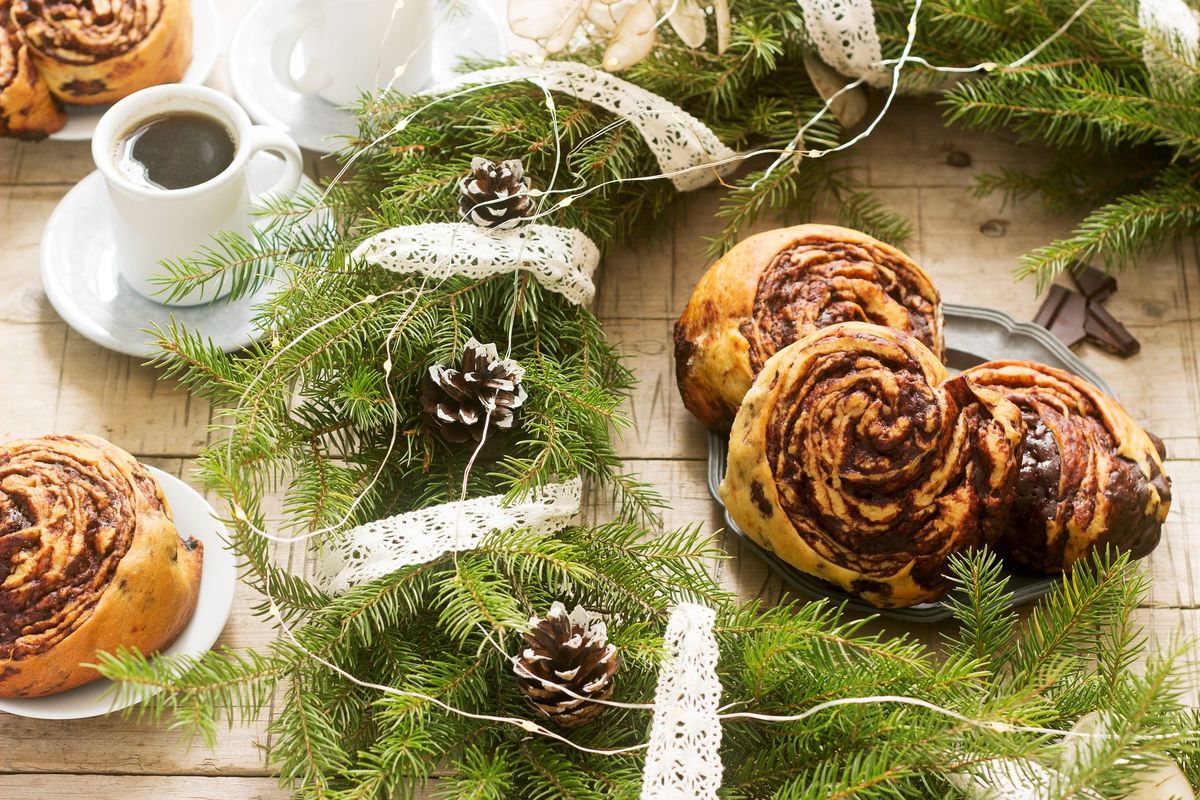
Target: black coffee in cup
[(175, 151)]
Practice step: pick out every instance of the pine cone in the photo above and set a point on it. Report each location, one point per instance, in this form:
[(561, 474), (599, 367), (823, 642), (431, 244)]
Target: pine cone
[(495, 196), (457, 401), (572, 651)]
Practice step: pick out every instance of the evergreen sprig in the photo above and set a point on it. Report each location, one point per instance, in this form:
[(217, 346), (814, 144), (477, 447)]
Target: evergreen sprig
[(334, 739), (323, 412), (1128, 140)]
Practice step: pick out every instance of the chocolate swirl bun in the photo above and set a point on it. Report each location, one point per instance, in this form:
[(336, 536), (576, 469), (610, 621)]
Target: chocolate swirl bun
[(91, 52), (89, 561), (780, 286), (27, 109), (1089, 476), (856, 459)]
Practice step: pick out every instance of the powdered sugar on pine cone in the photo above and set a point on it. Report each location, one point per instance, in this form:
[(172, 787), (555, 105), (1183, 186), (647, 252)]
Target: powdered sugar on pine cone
[(458, 402), (495, 195), (566, 664)]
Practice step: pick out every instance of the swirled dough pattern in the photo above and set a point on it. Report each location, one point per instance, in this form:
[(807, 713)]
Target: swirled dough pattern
[(1089, 476), (89, 560), (27, 109), (855, 458), (776, 287), (91, 52)]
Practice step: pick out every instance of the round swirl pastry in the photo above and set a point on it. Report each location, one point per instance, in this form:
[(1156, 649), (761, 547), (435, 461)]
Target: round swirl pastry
[(89, 560), (1089, 476), (856, 459), (27, 109), (776, 287), (91, 52)]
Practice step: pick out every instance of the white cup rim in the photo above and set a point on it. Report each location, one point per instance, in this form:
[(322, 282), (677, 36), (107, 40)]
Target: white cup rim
[(156, 101)]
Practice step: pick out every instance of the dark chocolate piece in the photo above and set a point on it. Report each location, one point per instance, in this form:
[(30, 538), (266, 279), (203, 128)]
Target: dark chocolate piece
[(1095, 284), (1064, 313), (1105, 332)]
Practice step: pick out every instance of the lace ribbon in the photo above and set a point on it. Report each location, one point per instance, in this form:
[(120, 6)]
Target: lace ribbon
[(417, 537), (683, 761), (844, 34), (682, 144), (561, 259)]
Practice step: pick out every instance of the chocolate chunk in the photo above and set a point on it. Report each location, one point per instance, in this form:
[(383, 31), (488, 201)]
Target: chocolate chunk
[(1105, 332), (1064, 313), (1095, 284), (1159, 445)]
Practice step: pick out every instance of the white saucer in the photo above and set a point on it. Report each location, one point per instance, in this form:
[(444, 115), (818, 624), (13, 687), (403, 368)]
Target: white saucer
[(467, 30), (193, 517), (79, 275), (206, 41)]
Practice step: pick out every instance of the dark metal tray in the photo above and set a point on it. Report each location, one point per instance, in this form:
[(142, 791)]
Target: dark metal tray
[(973, 336)]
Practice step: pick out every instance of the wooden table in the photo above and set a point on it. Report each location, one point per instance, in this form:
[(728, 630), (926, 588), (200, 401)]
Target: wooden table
[(54, 380)]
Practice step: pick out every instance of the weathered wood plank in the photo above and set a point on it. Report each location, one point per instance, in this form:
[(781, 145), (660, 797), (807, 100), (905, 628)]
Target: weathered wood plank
[(114, 396), (23, 214), (32, 364), (8, 157), (138, 787), (911, 148), (51, 163)]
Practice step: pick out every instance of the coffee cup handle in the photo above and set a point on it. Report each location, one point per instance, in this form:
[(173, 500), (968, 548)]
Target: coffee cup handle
[(302, 17), (266, 138)]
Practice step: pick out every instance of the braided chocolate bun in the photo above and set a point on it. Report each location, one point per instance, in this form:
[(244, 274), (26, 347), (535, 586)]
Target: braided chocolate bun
[(91, 52), (1089, 477), (776, 287), (27, 109), (856, 459), (89, 560)]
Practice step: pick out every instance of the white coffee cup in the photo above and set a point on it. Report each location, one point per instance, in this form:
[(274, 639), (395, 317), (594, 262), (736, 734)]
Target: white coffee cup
[(151, 224), (351, 46)]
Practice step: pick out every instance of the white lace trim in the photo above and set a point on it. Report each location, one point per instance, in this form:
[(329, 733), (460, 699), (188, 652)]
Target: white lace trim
[(417, 537), (681, 143), (1177, 26), (843, 32), (683, 761), (561, 259)]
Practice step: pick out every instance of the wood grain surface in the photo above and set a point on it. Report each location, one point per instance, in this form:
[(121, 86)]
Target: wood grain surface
[(56, 381)]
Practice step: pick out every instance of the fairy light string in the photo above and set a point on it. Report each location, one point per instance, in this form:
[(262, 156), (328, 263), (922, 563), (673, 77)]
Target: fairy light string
[(573, 194), (547, 207)]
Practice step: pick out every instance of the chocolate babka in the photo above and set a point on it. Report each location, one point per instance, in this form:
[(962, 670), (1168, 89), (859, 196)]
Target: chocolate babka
[(776, 287), (91, 52), (27, 108), (1089, 476), (89, 560), (855, 458)]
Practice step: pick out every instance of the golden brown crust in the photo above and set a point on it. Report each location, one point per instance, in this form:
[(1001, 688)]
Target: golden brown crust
[(856, 459), (89, 560), (27, 109), (91, 52), (776, 287), (1089, 475)]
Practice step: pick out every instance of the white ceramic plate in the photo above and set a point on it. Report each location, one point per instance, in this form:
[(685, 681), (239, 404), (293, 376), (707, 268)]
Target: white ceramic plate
[(206, 41), (466, 31), (79, 275), (193, 517)]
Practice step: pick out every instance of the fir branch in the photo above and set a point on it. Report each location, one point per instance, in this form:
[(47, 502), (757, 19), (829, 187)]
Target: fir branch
[(1118, 231), (981, 606)]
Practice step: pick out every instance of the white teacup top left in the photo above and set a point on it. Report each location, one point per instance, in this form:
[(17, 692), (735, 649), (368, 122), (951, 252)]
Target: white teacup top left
[(153, 223)]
